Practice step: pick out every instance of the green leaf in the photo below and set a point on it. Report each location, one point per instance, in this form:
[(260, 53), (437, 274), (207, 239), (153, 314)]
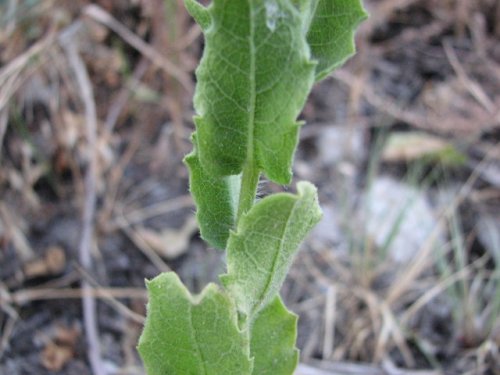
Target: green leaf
[(273, 337), (307, 8), (252, 82), (186, 335), (260, 252), (199, 13), (331, 33), (216, 200)]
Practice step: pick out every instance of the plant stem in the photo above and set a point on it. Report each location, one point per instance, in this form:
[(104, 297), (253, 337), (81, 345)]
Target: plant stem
[(249, 182)]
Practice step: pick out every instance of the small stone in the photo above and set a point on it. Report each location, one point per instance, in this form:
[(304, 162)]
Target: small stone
[(336, 144), (400, 218)]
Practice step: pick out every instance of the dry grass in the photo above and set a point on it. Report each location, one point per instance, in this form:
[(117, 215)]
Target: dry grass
[(372, 312)]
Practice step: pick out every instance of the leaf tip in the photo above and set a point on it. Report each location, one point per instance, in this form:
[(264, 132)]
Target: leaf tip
[(200, 14)]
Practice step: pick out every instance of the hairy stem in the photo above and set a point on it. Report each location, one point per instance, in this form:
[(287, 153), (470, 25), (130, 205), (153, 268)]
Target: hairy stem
[(249, 182)]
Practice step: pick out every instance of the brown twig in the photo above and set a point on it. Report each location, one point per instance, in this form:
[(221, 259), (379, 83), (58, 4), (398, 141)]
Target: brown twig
[(112, 301), (109, 295), (22, 60), (142, 245), (340, 368), (167, 26), (4, 118), (115, 180), (100, 15), (161, 208), (69, 43), (24, 296), (7, 333), (380, 102), (383, 11), (124, 95), (189, 38), (419, 262), (330, 317), (474, 89), (14, 226), (12, 316), (439, 288), (347, 368)]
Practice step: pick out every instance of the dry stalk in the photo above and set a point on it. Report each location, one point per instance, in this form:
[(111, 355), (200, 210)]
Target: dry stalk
[(157, 209), (4, 118), (124, 95), (24, 296), (115, 179), (330, 318), (7, 333), (142, 245), (475, 90), (69, 43), (100, 15), (421, 260), (112, 300)]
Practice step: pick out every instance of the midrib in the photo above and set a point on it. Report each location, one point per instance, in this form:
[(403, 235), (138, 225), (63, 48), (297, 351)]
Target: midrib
[(251, 117), (275, 261), (196, 344)]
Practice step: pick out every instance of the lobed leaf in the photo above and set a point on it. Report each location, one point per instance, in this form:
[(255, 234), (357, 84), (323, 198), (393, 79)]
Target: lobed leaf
[(186, 335), (254, 77), (252, 82), (273, 337), (260, 252), (216, 200), (331, 32)]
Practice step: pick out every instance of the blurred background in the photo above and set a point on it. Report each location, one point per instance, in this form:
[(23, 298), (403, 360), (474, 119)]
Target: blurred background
[(400, 277)]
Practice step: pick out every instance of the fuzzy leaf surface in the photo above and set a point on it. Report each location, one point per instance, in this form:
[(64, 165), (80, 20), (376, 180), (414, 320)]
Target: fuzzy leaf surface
[(216, 201), (331, 32), (186, 335), (261, 250), (273, 339), (252, 82)]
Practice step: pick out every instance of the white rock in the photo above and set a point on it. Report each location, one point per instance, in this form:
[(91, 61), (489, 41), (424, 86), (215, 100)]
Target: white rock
[(336, 144), (488, 230), (397, 210), (327, 231)]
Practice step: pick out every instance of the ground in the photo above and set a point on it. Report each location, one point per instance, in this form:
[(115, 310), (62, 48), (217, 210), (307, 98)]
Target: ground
[(400, 277)]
